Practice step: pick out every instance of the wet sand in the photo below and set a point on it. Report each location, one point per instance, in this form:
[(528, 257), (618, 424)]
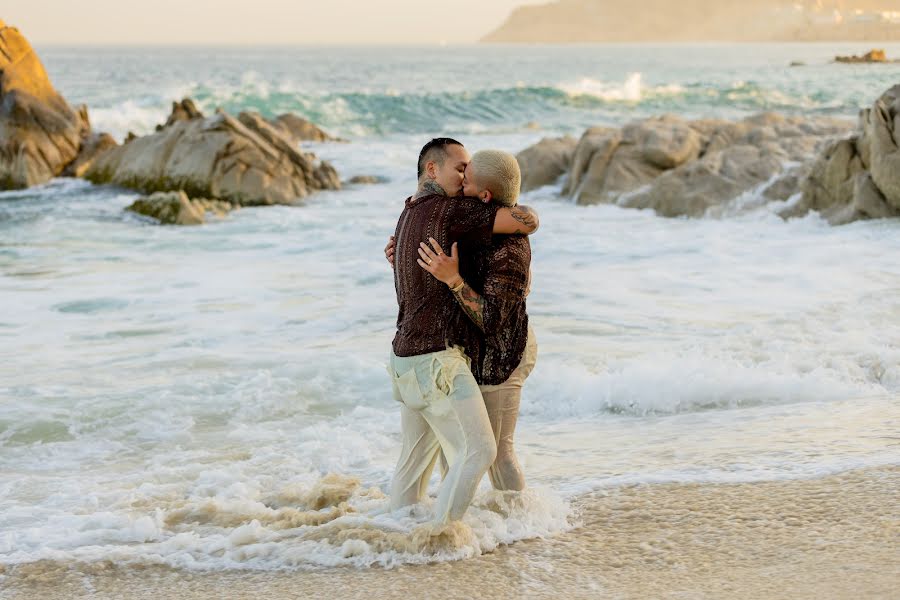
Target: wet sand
[(836, 537)]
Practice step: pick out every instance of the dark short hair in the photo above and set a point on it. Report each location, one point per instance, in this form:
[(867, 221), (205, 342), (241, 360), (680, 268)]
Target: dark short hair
[(434, 150)]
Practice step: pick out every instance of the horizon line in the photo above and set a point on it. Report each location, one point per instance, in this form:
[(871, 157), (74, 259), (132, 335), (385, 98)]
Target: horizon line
[(393, 44)]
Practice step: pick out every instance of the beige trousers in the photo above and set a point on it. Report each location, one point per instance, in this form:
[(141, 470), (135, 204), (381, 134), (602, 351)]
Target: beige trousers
[(442, 411), (502, 405)]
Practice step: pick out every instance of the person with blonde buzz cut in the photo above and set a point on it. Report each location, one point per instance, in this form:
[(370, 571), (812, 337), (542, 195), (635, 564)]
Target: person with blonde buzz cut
[(491, 289), (441, 407), (494, 175)]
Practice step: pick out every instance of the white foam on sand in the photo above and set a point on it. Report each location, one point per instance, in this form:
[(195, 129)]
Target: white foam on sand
[(334, 522)]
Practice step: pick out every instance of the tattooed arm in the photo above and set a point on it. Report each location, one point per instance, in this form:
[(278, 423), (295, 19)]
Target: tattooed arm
[(504, 288), (516, 220), (504, 292), (446, 270), (471, 302)]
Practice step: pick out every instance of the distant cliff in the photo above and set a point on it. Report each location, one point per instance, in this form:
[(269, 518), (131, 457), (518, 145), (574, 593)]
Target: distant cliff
[(580, 21)]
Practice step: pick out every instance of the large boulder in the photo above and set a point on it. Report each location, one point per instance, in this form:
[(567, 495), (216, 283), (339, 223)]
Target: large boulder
[(879, 144), (243, 160), (91, 147), (39, 132), (859, 177), (692, 189), (592, 155), (297, 129), (366, 180), (609, 163), (737, 158), (175, 208), (545, 162)]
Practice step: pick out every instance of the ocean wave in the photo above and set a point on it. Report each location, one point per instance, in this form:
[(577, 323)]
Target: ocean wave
[(631, 90), (569, 106), (667, 385)]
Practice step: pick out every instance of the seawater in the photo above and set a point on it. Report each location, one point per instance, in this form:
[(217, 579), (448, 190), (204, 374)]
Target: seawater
[(176, 396)]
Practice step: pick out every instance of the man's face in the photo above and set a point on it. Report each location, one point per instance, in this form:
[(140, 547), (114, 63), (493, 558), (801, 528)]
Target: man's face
[(450, 175)]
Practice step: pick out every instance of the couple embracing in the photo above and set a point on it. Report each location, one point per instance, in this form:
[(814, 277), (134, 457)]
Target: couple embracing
[(463, 346)]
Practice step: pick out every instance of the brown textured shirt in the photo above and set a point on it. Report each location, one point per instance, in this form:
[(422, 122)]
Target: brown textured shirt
[(499, 273), (428, 311)]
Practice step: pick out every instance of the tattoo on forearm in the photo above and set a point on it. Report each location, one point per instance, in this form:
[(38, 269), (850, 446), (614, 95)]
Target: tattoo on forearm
[(525, 216), (472, 304), (429, 187)]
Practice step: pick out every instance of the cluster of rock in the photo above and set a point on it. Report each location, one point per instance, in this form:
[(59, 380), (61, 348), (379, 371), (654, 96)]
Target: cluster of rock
[(696, 168), (872, 56), (218, 160), (674, 166), (245, 160)]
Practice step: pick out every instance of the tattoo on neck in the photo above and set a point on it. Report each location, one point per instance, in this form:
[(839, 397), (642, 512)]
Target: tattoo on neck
[(430, 187)]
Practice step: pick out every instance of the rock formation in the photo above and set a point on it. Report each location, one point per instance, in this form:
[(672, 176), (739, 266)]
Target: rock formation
[(679, 167), (366, 180), (40, 134), (858, 177), (299, 129), (175, 208), (714, 168), (91, 147), (244, 160), (544, 163), (872, 56)]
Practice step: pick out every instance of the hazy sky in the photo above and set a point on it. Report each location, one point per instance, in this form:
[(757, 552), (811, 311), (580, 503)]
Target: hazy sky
[(256, 21)]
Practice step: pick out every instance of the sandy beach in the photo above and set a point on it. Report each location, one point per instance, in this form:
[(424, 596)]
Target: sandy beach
[(836, 537)]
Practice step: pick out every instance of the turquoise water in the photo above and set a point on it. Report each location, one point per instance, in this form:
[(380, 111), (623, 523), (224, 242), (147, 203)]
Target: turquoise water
[(365, 92), (146, 371)]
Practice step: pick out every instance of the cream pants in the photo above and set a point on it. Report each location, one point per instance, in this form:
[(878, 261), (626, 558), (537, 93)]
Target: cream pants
[(502, 404), (441, 410)]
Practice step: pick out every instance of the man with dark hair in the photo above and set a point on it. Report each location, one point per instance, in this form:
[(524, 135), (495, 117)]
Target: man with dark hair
[(435, 150), (440, 403), (502, 347)]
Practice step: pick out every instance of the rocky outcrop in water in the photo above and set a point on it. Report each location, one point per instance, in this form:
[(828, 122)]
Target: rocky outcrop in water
[(873, 56), (366, 180), (175, 208), (858, 177), (546, 161), (244, 160), (92, 146), (684, 168), (40, 134), (716, 168)]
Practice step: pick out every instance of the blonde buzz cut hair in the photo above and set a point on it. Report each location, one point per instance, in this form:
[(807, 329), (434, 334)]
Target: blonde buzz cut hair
[(499, 173)]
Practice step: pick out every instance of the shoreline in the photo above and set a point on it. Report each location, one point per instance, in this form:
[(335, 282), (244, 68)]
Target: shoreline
[(838, 535)]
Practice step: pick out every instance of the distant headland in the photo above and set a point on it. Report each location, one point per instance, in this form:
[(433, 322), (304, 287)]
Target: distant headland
[(586, 21)]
